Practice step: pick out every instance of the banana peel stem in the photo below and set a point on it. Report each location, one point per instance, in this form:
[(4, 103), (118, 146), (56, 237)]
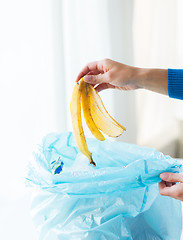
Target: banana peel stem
[(92, 162)]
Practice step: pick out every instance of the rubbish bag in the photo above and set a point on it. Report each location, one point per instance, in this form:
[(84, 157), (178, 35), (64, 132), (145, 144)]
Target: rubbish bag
[(117, 199)]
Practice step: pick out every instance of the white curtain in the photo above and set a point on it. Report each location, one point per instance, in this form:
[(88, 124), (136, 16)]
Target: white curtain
[(43, 46), (27, 103), (93, 30), (158, 39)]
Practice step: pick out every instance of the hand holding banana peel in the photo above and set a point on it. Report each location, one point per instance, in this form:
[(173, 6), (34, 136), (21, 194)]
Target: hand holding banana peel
[(103, 75), (96, 116)]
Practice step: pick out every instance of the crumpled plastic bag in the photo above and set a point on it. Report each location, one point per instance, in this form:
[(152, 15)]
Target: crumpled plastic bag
[(117, 199)]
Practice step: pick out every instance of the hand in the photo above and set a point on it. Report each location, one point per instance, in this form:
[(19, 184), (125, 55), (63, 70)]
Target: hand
[(109, 74), (168, 186)]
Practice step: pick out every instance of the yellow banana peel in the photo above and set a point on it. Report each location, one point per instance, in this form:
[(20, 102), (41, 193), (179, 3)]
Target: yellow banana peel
[(96, 116)]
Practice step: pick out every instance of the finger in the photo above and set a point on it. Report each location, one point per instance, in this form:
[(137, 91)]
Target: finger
[(175, 191), (93, 72), (91, 67), (96, 79), (172, 177), (165, 190), (103, 86)]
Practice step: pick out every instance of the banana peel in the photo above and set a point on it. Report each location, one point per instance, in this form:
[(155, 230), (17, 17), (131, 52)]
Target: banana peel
[(96, 116)]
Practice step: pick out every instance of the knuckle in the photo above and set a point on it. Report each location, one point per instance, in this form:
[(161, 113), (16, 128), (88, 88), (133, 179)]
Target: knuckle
[(106, 60), (89, 65), (171, 177)]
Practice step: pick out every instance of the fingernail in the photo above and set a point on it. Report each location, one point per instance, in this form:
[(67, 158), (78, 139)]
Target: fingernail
[(87, 78), (164, 176)]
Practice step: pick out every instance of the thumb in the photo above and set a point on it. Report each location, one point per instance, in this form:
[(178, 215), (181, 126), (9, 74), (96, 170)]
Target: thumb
[(94, 79), (172, 177)]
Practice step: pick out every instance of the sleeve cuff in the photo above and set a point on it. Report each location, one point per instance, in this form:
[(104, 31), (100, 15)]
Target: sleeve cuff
[(175, 83)]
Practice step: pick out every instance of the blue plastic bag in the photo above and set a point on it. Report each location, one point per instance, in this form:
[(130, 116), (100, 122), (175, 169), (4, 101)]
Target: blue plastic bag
[(117, 199)]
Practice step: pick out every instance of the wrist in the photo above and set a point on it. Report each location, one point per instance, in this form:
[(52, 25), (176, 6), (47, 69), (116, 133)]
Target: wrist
[(152, 79), (142, 76)]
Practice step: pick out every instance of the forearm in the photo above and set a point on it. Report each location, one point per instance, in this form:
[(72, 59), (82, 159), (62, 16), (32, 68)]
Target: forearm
[(153, 79), (111, 74)]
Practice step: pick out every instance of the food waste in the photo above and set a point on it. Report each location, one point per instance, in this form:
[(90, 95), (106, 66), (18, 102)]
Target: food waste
[(95, 114)]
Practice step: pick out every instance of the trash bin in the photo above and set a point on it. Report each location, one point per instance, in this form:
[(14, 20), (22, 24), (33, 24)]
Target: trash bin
[(117, 199)]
